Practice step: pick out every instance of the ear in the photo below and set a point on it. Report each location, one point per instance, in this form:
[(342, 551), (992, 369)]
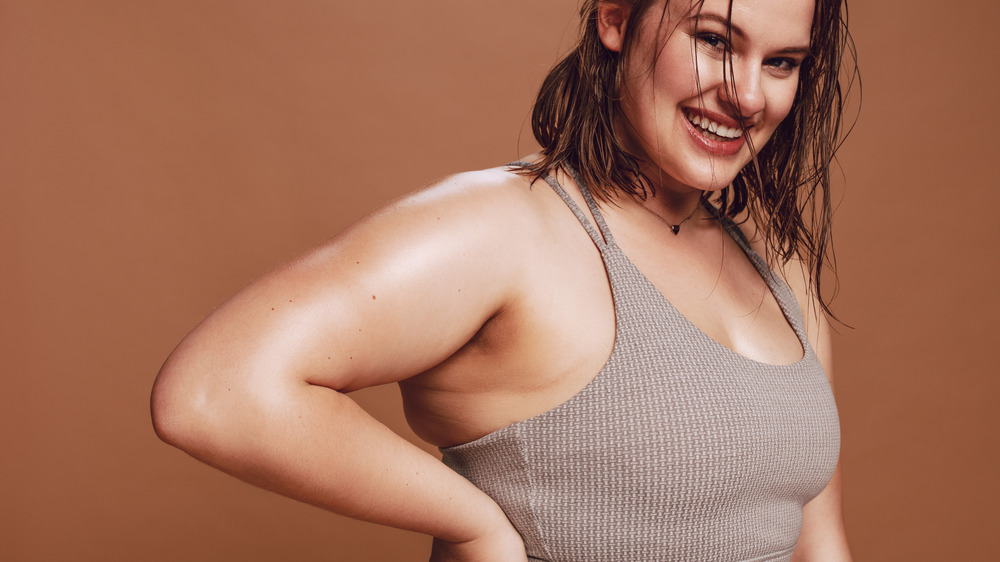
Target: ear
[(612, 16)]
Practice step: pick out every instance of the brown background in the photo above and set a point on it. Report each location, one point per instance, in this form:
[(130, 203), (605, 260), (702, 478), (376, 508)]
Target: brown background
[(155, 155)]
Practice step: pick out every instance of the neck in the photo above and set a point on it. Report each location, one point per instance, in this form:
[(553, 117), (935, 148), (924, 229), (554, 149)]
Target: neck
[(674, 201), (674, 208)]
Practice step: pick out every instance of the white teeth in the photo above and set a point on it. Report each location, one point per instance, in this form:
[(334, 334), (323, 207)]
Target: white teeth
[(713, 127)]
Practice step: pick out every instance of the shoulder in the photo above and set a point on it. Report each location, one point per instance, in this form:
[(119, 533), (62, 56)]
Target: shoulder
[(472, 229), (482, 201), (486, 220), (461, 210)]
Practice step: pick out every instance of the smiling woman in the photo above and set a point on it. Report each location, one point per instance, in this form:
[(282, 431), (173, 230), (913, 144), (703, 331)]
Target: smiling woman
[(611, 367), (669, 94)]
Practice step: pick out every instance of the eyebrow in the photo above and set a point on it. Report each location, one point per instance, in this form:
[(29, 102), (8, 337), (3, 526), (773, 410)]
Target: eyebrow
[(719, 19), (804, 51)]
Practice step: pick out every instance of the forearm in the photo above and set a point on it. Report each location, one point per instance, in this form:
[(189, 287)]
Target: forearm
[(316, 445)]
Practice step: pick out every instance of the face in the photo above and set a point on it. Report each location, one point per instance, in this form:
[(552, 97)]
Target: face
[(681, 116)]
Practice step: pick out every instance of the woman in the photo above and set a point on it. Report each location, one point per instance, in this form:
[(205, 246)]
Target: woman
[(609, 366)]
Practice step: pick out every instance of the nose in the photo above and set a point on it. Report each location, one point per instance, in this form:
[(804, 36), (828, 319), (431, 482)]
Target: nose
[(741, 90)]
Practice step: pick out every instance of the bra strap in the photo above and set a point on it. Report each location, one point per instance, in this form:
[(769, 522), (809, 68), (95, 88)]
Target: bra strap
[(601, 237), (781, 291)]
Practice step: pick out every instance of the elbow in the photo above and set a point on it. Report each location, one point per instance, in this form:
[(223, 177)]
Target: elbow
[(167, 413), (180, 410), (213, 416)]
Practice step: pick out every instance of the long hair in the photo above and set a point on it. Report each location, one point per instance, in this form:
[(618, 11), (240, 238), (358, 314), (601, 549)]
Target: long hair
[(784, 191)]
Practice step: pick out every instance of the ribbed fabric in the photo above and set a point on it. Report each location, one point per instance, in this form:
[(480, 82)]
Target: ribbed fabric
[(679, 450)]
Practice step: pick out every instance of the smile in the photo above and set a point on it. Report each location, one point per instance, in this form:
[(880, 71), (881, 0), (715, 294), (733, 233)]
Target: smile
[(713, 130), (710, 135)]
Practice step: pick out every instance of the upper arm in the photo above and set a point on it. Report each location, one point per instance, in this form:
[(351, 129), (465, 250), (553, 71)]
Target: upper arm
[(390, 297)]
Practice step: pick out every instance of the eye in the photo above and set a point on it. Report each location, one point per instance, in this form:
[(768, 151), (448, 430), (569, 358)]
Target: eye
[(783, 65), (713, 41)]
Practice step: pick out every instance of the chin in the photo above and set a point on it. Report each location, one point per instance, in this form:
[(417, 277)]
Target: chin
[(710, 178)]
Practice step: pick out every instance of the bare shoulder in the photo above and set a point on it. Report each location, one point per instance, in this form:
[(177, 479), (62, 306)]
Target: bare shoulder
[(469, 194), (460, 212), (465, 216)]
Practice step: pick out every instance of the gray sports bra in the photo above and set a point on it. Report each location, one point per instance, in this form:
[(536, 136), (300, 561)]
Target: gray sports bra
[(680, 449)]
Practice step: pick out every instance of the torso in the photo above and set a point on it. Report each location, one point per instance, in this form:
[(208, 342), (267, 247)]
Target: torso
[(679, 448), (557, 332)]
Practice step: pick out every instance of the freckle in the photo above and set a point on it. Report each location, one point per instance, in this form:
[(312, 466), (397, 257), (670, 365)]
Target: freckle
[(272, 308), (357, 262)]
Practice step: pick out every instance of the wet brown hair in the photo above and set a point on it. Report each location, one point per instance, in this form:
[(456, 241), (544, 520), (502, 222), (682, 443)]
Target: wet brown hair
[(784, 191)]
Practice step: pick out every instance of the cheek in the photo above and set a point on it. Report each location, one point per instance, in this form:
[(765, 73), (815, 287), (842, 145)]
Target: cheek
[(777, 109), (681, 77), (652, 104), (780, 103), (682, 83), (661, 93), (671, 77)]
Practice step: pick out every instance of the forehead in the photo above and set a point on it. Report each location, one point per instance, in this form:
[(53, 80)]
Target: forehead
[(788, 22)]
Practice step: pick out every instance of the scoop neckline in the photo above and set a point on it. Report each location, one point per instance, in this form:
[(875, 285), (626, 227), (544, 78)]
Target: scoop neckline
[(770, 281)]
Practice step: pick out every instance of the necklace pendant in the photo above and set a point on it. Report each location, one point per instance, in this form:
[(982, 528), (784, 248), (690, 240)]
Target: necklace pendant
[(675, 228)]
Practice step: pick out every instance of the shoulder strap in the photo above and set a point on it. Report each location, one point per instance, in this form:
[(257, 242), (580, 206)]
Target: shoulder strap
[(600, 235), (781, 291)]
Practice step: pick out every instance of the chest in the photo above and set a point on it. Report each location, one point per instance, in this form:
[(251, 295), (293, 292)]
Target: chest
[(708, 278), (560, 330), (679, 447)]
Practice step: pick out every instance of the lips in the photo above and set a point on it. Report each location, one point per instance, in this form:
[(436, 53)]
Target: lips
[(715, 133)]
